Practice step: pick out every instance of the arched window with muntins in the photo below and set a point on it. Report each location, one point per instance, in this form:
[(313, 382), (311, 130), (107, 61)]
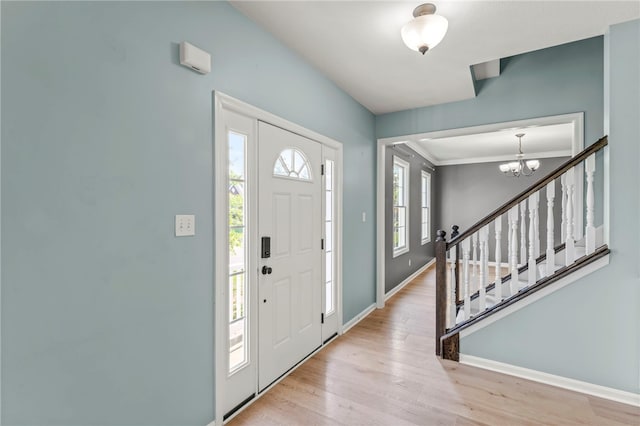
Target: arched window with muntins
[(293, 164)]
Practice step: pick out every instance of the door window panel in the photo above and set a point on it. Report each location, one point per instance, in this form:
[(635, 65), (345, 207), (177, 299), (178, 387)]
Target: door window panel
[(292, 163)]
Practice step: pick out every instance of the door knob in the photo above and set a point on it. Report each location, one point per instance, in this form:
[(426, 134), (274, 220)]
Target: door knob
[(266, 270)]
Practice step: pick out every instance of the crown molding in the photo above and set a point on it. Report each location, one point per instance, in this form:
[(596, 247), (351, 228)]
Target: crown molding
[(413, 141)]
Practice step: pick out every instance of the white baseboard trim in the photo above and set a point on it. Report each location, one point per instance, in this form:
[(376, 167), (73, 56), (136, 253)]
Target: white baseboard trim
[(355, 320), (617, 395), (407, 280), (532, 298)]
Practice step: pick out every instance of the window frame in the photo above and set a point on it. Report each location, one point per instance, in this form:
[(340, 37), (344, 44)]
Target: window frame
[(425, 204), (405, 166)]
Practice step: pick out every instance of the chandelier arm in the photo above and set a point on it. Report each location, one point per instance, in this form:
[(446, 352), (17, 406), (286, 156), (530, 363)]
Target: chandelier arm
[(521, 167)]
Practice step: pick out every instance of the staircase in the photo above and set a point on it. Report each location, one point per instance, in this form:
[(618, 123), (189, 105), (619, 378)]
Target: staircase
[(474, 282)]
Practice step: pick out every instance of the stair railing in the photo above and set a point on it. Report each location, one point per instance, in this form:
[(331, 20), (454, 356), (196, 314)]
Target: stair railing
[(463, 274)]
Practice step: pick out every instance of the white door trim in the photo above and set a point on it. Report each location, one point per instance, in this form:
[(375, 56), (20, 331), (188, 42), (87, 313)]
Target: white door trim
[(221, 103), (577, 119)]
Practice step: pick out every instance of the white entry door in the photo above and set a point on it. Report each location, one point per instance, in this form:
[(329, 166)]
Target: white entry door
[(290, 258)]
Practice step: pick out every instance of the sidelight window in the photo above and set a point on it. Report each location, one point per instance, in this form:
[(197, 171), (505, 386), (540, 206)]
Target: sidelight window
[(238, 280)]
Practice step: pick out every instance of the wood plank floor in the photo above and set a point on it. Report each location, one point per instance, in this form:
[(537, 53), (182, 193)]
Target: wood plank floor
[(384, 372)]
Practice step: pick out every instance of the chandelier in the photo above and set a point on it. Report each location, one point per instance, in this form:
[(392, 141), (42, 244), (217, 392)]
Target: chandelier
[(520, 167), (425, 30)]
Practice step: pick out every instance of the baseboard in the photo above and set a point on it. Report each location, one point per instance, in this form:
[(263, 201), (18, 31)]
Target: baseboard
[(407, 280), (617, 395), (355, 320), (532, 298)]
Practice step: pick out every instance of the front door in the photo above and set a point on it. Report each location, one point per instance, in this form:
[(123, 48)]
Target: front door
[(290, 258)]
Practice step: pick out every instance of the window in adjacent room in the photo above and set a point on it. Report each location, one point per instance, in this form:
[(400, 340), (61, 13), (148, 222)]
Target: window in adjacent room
[(426, 207), (400, 206)]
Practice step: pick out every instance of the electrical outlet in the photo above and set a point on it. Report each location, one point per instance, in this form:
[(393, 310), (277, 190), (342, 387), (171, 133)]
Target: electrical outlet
[(185, 225)]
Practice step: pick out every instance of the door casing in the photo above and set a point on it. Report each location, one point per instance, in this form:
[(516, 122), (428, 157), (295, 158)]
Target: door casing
[(224, 103)]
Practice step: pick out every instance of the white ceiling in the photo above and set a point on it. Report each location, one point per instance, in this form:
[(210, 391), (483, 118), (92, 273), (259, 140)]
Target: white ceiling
[(357, 44), (538, 142)]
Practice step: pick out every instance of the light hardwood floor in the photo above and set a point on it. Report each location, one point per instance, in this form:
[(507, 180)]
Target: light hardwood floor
[(384, 372)]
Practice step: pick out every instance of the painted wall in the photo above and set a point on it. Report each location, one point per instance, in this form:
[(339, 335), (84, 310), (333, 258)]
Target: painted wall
[(465, 193), (597, 339), (559, 80), (107, 318), (398, 269)]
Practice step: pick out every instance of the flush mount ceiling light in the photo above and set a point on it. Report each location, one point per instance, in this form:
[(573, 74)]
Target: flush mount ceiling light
[(520, 167), (426, 29)]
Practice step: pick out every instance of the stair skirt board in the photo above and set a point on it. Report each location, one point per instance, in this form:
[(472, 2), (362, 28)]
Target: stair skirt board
[(407, 280), (612, 394), (534, 297)]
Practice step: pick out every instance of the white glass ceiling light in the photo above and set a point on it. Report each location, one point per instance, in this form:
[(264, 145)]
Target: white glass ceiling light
[(426, 29), (520, 167)]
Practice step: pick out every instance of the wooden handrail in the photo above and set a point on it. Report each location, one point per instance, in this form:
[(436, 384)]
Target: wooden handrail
[(597, 146)]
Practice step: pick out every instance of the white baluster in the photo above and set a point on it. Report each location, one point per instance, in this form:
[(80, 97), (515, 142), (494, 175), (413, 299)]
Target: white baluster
[(486, 256), (523, 232), (532, 268), (536, 227), (569, 250), (465, 269), (453, 259), (474, 265), (498, 279), (513, 225), (484, 267), (551, 253), (509, 241), (590, 230), (563, 225)]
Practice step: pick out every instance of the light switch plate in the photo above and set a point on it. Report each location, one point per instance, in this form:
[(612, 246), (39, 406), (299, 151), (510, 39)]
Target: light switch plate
[(185, 225)]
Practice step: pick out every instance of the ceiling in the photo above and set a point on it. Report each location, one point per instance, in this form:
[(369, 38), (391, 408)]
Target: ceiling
[(554, 140), (357, 44)]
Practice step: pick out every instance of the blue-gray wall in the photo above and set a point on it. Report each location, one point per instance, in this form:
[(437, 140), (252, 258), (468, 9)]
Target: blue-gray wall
[(590, 330), (397, 269), (560, 80), (107, 318)]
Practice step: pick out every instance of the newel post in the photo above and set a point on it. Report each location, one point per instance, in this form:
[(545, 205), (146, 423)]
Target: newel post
[(441, 287)]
